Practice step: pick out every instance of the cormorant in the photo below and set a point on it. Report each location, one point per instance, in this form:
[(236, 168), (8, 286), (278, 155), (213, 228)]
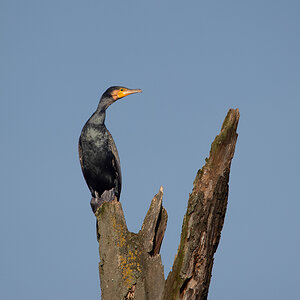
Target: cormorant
[(98, 153)]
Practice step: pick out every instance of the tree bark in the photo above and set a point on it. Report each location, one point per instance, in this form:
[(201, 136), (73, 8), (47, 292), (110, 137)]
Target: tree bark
[(130, 264), (204, 219)]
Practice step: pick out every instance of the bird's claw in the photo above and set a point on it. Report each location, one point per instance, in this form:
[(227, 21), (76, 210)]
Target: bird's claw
[(97, 201)]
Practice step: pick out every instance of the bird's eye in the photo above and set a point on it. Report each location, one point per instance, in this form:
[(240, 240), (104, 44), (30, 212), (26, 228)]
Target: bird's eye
[(121, 90)]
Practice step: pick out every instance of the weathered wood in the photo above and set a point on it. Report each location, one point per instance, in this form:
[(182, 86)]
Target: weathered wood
[(204, 219), (130, 264)]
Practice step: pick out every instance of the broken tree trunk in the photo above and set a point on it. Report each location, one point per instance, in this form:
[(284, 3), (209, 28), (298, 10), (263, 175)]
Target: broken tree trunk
[(130, 264)]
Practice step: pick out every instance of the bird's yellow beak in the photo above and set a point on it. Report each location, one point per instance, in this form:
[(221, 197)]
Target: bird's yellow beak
[(125, 92)]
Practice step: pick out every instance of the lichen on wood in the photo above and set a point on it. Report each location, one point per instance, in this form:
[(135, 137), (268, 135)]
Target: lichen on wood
[(130, 264), (204, 219)]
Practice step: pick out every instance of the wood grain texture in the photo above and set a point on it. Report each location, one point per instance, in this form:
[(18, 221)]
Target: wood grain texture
[(130, 264), (204, 219)]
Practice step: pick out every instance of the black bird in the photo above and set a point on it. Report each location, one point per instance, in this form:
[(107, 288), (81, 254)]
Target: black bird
[(98, 153)]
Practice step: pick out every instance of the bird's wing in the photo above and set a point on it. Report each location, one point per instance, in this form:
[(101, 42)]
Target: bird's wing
[(117, 164)]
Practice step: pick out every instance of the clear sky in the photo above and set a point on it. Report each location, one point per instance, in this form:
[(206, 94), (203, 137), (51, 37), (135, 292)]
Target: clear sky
[(194, 60)]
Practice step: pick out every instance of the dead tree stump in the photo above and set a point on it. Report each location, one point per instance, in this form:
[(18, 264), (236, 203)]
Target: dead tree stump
[(130, 264)]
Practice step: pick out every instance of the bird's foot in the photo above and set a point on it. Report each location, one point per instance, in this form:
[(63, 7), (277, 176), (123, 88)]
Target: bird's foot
[(106, 196), (95, 204)]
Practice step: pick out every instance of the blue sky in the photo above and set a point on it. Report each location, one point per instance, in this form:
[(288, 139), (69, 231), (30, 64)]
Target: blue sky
[(194, 60)]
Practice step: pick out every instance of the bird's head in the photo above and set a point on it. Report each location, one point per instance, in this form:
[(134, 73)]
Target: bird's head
[(115, 93), (118, 92)]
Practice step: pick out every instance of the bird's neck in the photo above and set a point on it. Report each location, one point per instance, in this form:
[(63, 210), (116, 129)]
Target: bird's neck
[(104, 103), (98, 117)]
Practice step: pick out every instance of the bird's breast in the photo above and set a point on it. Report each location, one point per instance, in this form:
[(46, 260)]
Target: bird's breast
[(97, 138)]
